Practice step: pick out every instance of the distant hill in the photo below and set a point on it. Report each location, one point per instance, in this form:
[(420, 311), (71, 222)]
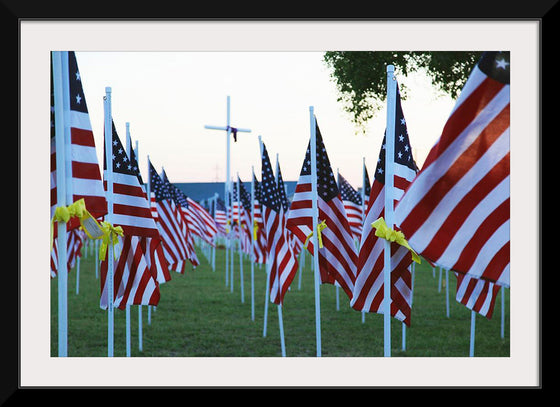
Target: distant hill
[(199, 191)]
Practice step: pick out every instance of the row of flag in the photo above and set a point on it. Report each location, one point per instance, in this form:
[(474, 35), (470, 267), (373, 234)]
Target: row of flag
[(454, 211), (156, 234)]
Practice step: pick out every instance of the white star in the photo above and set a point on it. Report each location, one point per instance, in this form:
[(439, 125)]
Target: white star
[(78, 76), (502, 63), (78, 99)]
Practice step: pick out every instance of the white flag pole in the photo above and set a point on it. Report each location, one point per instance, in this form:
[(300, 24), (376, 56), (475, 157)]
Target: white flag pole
[(473, 322), (60, 88), (252, 242), (447, 292), (227, 186), (503, 316), (268, 263), (389, 196), (280, 318), (214, 202), (96, 254), (337, 299), (127, 310), (240, 234), (78, 275), (233, 242), (314, 200), (140, 328), (109, 218), (363, 210), (149, 206)]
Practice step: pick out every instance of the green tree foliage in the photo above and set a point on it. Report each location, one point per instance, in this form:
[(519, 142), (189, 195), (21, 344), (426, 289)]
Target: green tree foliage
[(361, 76)]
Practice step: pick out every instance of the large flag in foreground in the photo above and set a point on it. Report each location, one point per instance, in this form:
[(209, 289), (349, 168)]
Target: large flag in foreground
[(337, 257), (83, 177), (281, 260), (368, 292), (456, 212)]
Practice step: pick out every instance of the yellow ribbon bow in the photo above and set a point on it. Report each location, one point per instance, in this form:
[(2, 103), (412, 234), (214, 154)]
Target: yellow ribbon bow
[(109, 236), (78, 209), (255, 229), (383, 231), (320, 227)]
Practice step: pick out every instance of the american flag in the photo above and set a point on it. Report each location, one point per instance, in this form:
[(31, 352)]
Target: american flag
[(282, 188), (368, 291), (476, 294), (83, 177), (297, 245), (353, 206), (338, 258), (131, 209), (152, 247), (135, 282), (170, 223), (456, 212), (190, 225), (246, 228), (202, 217), (259, 246), (220, 215), (282, 262)]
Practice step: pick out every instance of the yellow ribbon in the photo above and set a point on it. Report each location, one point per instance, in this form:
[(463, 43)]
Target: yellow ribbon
[(255, 229), (78, 209), (109, 236), (320, 227), (383, 231)]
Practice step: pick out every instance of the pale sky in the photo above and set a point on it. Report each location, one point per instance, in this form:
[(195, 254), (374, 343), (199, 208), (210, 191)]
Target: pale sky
[(168, 98)]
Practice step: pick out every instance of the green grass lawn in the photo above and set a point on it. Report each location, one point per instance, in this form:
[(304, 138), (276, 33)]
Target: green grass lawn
[(198, 315)]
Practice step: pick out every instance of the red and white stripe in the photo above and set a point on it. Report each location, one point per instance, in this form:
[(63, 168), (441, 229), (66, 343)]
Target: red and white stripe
[(337, 259), (172, 227), (83, 177), (477, 295), (133, 281), (369, 292), (456, 212), (205, 224), (283, 262), (354, 214)]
